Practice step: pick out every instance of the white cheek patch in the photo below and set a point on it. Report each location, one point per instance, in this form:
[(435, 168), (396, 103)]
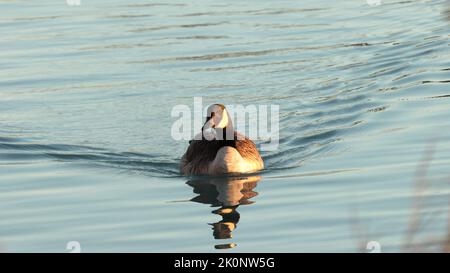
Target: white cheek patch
[(222, 120), (209, 134)]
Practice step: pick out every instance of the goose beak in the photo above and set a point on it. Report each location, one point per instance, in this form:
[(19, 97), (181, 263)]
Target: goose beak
[(208, 131), (209, 124)]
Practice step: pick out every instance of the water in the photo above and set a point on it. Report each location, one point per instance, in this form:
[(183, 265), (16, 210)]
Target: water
[(86, 152)]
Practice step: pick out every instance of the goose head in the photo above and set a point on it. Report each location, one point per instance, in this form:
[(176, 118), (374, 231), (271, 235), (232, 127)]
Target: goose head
[(218, 124)]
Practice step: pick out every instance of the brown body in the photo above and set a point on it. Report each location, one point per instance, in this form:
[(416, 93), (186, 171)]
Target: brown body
[(216, 157)]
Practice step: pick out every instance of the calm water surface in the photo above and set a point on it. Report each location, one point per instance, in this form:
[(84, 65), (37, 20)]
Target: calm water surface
[(86, 152)]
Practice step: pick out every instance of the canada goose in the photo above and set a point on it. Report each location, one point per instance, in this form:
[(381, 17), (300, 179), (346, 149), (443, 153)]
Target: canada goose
[(218, 149)]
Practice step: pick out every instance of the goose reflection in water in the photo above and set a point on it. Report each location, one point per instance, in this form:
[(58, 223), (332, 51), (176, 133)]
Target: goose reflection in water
[(228, 193)]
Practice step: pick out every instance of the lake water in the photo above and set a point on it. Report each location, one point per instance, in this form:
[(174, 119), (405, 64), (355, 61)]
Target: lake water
[(86, 153)]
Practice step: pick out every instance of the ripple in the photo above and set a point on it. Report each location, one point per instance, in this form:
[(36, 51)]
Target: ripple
[(199, 25), (11, 150)]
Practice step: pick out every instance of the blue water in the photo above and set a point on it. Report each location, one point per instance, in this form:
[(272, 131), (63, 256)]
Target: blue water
[(86, 152)]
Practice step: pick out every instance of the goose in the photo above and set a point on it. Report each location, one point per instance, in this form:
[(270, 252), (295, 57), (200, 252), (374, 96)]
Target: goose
[(218, 149)]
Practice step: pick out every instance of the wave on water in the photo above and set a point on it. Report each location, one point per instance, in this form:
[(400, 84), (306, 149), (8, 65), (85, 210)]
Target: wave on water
[(20, 151)]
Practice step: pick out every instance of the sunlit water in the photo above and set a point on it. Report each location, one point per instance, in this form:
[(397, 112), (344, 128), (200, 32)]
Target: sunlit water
[(86, 152)]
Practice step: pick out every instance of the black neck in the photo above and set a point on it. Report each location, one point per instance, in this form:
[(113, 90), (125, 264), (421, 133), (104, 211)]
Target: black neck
[(224, 135)]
